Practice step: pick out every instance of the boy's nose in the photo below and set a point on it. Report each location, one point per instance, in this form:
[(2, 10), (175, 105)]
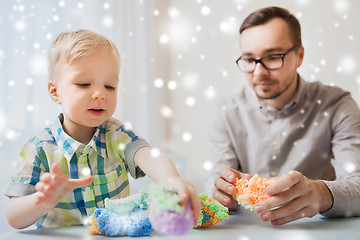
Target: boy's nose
[(98, 95)]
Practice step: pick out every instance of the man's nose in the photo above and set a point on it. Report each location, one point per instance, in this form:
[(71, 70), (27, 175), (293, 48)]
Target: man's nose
[(260, 69)]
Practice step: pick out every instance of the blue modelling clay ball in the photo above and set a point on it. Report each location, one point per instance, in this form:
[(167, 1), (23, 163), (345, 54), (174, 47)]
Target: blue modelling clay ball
[(133, 224)]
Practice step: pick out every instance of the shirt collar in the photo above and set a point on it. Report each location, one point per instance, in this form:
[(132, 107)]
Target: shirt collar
[(98, 142), (69, 146), (299, 92)]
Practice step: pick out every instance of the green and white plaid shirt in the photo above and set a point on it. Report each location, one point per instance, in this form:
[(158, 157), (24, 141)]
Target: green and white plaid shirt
[(108, 157)]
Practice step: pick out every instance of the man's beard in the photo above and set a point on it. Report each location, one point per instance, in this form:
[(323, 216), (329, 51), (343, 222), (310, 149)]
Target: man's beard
[(277, 94)]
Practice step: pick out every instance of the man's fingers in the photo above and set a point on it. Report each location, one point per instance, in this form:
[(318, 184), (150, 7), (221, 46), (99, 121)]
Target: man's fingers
[(283, 198), (304, 212), (224, 199), (228, 174), (285, 210), (221, 197), (284, 182), (224, 186), (244, 176), (78, 183)]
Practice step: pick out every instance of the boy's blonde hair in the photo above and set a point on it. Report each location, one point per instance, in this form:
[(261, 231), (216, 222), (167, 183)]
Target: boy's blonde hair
[(70, 46)]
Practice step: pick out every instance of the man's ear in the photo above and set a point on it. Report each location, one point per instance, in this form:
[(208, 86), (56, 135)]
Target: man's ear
[(301, 56), (53, 92)]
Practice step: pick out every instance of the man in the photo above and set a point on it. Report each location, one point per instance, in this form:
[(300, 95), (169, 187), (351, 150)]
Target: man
[(305, 134)]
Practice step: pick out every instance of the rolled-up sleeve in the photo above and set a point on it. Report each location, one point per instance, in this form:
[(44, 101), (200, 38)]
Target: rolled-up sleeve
[(130, 151), (27, 174)]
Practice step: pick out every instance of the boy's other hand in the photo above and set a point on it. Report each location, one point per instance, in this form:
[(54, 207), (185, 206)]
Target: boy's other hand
[(54, 185)]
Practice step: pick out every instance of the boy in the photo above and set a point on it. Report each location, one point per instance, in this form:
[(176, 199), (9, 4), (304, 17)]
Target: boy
[(68, 169)]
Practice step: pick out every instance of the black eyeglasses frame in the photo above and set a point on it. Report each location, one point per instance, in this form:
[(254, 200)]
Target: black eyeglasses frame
[(259, 60)]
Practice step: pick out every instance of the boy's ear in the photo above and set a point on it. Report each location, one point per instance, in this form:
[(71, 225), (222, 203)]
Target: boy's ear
[(53, 92)]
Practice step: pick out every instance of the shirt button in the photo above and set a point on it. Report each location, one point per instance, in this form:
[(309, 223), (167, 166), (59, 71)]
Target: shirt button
[(87, 189), (81, 149), (82, 159), (273, 174), (278, 116), (275, 143)]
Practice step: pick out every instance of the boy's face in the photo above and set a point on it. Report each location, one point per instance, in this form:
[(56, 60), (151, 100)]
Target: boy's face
[(87, 89)]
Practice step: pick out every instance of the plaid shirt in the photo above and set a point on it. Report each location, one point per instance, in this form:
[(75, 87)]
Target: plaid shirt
[(108, 157)]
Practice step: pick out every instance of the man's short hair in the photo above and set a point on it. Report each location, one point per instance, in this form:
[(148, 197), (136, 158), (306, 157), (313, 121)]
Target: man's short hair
[(264, 15)]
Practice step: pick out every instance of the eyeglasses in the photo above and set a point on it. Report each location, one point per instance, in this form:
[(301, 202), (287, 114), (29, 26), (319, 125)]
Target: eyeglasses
[(270, 62)]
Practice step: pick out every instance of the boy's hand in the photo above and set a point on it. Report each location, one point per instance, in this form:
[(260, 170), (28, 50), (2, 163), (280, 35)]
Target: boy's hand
[(54, 185), (224, 190), (186, 192)]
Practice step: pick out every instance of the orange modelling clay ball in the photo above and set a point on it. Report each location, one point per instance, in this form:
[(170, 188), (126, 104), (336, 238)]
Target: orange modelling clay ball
[(252, 191)]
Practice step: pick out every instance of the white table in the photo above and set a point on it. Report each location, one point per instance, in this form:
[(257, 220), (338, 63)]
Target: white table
[(238, 227)]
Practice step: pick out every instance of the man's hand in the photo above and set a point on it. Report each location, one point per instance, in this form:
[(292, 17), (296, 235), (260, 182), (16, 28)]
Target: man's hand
[(54, 185), (224, 190), (293, 197)]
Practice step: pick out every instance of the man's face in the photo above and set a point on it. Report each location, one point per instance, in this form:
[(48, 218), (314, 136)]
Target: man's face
[(272, 37)]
